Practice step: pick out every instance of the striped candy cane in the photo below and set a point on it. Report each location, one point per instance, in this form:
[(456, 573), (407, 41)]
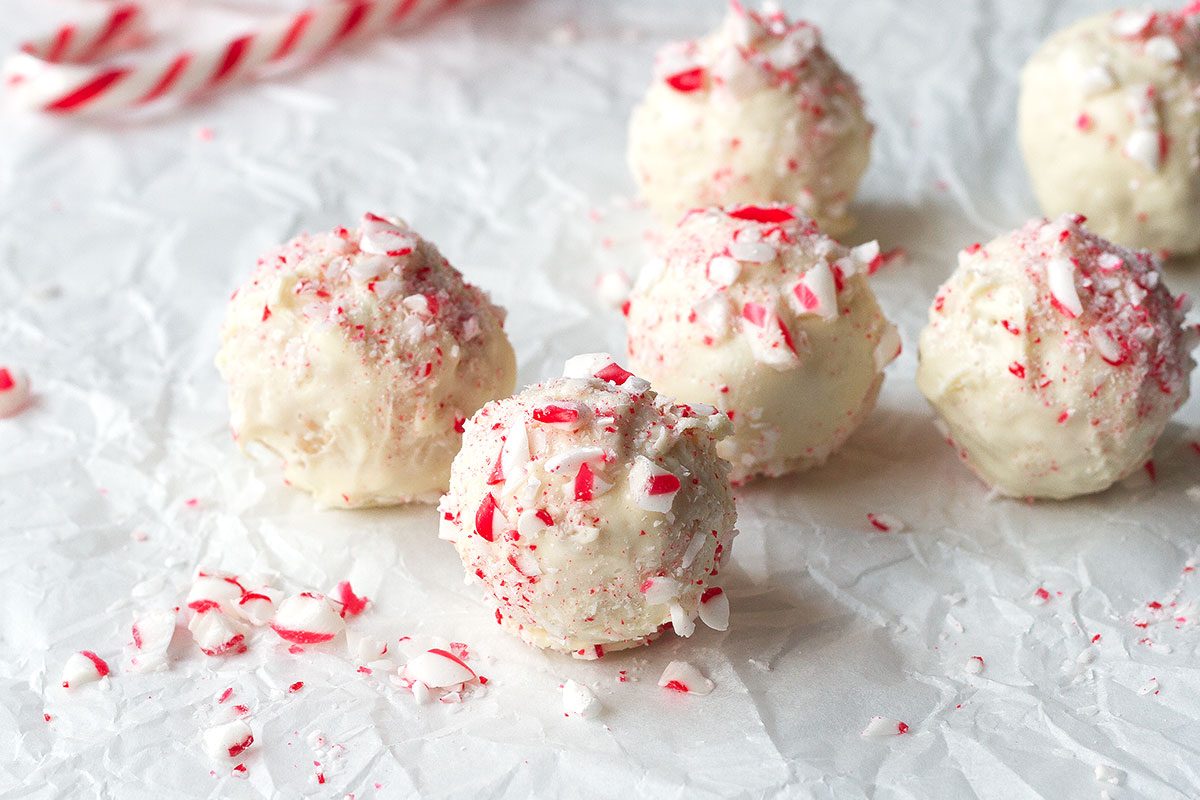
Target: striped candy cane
[(67, 72)]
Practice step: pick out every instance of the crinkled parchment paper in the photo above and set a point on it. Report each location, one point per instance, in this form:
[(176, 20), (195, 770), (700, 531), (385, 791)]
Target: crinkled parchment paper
[(499, 132)]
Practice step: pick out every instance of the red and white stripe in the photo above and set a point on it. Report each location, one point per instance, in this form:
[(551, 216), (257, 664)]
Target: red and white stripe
[(68, 71)]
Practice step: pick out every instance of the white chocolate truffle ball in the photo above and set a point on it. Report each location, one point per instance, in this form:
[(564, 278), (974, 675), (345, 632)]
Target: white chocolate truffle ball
[(1055, 359), (756, 112), (1110, 126), (753, 310), (593, 512), (355, 357)]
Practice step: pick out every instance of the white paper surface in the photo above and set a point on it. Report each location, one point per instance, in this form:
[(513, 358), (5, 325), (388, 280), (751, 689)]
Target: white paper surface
[(120, 242)]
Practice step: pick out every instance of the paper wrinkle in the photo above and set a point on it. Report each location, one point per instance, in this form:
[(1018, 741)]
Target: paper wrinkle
[(120, 241)]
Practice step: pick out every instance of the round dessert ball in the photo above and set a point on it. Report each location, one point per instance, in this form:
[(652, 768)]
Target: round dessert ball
[(593, 512), (753, 310), (758, 111), (1110, 126), (355, 357), (1055, 359)]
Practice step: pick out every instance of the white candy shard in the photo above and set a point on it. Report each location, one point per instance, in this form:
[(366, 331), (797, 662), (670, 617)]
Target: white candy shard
[(381, 236), (682, 621), (1130, 24), (152, 633), (714, 609), (1144, 147), (723, 271), (974, 665), (753, 252), (714, 314), (438, 669), (1060, 273), (257, 608), (884, 726), (307, 618), (14, 390), (661, 590), (531, 523), (652, 487), (215, 633), (578, 700), (82, 668), (681, 676), (224, 590), (586, 365), (816, 293), (694, 547), (1164, 49), (570, 461), (228, 741), (1108, 774)]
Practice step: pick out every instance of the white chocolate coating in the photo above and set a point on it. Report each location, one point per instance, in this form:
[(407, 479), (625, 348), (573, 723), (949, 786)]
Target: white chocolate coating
[(756, 112), (355, 356), (754, 311), (1055, 359), (593, 514), (1110, 127)]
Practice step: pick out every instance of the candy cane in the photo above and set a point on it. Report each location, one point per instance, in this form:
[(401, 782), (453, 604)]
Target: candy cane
[(63, 73)]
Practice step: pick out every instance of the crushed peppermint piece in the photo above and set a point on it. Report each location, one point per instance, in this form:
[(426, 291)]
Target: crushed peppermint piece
[(438, 669), (682, 622), (1060, 273), (714, 608), (151, 632), (14, 391), (661, 590), (652, 487), (886, 523), (680, 676), (578, 700), (82, 668), (214, 631), (884, 726), (228, 741), (307, 618)]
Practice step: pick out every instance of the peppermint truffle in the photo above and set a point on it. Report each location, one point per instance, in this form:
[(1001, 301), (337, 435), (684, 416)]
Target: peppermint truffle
[(593, 512), (1055, 359), (1110, 126), (753, 310), (355, 357), (756, 112)]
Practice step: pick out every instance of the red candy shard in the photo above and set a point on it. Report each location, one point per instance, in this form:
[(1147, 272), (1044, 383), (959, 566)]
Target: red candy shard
[(764, 215), (352, 604), (484, 518), (236, 750), (613, 373), (554, 414), (688, 81), (755, 314), (6, 380), (676, 686), (665, 483), (710, 593), (100, 664), (544, 516), (585, 482)]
